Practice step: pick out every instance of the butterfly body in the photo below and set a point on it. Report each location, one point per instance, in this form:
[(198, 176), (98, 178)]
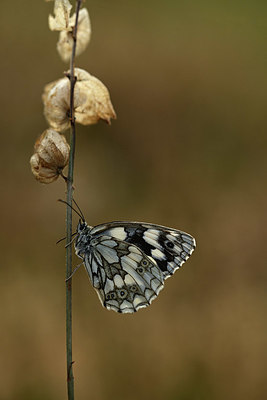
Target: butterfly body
[(128, 262)]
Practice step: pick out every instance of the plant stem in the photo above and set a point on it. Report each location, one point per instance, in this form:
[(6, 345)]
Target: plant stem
[(70, 378)]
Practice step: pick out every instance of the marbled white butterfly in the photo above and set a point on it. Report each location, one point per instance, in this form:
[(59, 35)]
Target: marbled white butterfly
[(128, 262)]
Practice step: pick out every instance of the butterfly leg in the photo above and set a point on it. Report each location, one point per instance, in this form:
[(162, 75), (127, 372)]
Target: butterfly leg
[(73, 272), (68, 244)]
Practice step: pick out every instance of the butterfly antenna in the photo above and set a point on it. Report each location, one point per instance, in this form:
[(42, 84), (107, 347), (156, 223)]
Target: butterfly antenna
[(76, 204), (65, 202)]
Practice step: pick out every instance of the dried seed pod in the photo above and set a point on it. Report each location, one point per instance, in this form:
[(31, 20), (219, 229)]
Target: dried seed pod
[(91, 101), (62, 16), (42, 174), (65, 42), (50, 157), (56, 99)]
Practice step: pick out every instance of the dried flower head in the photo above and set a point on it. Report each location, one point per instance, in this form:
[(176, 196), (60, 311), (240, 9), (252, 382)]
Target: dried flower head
[(50, 157), (65, 42), (91, 101)]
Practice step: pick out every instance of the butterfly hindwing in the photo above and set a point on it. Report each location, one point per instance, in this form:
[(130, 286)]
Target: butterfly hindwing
[(124, 278)]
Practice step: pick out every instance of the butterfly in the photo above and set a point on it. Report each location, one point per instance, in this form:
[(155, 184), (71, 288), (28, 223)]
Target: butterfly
[(128, 262)]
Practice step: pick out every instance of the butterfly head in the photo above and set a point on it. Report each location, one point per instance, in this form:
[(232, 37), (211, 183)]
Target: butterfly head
[(82, 226)]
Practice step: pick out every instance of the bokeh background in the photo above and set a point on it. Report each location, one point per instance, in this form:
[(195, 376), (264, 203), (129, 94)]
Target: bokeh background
[(188, 150)]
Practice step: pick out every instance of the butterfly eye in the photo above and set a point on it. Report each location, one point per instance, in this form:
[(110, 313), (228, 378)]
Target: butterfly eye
[(169, 244)]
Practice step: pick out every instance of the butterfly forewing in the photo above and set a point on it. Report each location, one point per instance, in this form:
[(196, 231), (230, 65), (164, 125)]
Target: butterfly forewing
[(127, 262), (170, 248)]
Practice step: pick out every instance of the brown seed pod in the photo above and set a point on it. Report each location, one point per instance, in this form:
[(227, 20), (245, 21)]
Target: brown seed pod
[(50, 157), (91, 101)]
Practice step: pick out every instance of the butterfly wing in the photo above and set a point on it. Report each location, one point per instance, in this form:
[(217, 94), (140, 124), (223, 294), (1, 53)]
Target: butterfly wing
[(168, 247), (124, 277)]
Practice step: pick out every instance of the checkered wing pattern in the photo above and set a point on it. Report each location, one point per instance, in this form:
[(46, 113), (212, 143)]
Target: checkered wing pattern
[(127, 262)]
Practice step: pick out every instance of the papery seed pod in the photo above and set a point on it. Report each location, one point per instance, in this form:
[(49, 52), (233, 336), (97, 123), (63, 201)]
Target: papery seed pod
[(91, 101), (50, 157), (65, 42), (56, 99), (62, 16), (42, 174)]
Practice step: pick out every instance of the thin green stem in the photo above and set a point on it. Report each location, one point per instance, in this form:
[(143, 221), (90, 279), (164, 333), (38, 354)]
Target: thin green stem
[(70, 378)]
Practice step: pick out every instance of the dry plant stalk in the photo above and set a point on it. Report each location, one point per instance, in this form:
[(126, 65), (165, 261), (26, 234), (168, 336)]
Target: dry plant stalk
[(77, 97)]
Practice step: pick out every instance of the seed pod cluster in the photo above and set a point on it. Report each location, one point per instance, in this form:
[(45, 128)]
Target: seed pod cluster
[(91, 98), (64, 23)]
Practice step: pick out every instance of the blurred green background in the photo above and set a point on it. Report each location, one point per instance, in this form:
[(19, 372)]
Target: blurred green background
[(188, 150)]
